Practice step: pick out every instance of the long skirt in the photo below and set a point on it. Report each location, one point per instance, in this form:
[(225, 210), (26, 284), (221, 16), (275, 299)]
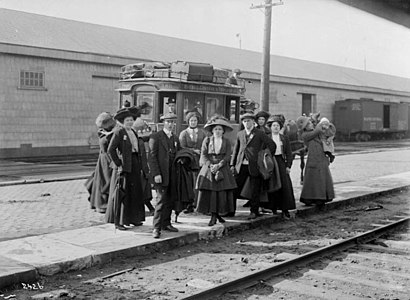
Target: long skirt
[(282, 199), (101, 184), (130, 197), (317, 185), (220, 202)]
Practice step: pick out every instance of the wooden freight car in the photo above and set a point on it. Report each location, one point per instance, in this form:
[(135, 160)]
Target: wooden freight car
[(366, 119)]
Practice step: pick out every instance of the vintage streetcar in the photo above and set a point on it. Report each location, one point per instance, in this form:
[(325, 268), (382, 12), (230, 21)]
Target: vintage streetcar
[(180, 87)]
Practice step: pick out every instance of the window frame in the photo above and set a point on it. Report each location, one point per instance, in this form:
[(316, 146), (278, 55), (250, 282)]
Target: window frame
[(32, 80), (312, 99)]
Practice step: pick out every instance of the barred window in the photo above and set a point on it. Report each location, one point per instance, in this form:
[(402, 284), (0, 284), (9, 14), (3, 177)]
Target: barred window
[(33, 80)]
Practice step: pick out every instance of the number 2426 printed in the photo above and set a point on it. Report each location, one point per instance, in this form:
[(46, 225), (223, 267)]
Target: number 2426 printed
[(33, 286)]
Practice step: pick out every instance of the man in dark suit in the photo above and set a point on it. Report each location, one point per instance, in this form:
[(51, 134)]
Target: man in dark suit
[(163, 146), (244, 161)]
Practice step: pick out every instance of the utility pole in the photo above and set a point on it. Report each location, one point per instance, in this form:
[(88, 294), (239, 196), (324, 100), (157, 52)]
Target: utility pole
[(265, 75)]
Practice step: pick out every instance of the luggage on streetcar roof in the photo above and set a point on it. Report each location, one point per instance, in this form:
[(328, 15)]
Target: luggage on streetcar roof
[(145, 69), (220, 75), (132, 67), (192, 71)]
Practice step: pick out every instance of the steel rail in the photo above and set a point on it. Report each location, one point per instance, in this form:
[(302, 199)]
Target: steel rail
[(267, 273)]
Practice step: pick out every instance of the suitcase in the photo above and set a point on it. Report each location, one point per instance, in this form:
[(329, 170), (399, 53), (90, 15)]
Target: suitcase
[(157, 69), (161, 73), (191, 71), (220, 75), (132, 68), (132, 71)]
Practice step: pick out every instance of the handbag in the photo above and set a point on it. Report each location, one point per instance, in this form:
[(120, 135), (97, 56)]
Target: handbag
[(265, 163), (219, 176)]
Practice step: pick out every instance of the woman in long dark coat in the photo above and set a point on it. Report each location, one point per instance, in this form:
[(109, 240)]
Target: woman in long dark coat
[(191, 138), (261, 123), (127, 151), (215, 181), (282, 199), (100, 188), (318, 183)]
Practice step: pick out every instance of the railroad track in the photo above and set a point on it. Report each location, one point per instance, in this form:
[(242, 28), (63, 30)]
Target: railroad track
[(272, 262), (350, 269)]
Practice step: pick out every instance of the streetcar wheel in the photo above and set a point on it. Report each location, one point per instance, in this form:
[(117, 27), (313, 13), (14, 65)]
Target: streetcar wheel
[(365, 137), (399, 136)]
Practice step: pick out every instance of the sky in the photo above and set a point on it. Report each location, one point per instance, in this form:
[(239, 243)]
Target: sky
[(325, 31)]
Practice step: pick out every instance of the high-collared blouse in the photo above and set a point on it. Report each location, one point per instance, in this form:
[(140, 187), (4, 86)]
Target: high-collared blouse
[(133, 139), (279, 144)]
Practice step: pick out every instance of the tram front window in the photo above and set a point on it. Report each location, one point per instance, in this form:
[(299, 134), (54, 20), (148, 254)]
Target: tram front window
[(214, 105), (205, 105), (234, 110), (194, 102), (146, 101)]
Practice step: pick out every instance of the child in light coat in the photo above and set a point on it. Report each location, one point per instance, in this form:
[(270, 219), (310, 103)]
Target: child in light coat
[(327, 136)]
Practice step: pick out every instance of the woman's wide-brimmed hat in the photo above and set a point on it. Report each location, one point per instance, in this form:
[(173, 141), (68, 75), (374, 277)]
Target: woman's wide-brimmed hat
[(302, 122), (247, 116), (262, 113), (276, 118), (218, 121), (123, 113), (105, 121), (136, 111)]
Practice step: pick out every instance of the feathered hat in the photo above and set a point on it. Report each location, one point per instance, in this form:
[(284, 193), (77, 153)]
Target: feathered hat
[(262, 113), (280, 119), (105, 121), (123, 113), (301, 122)]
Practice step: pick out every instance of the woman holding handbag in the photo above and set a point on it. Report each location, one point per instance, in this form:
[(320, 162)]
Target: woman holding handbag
[(215, 181), (127, 151), (283, 198)]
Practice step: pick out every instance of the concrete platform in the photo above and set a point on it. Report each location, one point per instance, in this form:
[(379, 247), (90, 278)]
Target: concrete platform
[(24, 259)]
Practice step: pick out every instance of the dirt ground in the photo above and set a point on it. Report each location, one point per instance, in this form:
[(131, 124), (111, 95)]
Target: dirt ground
[(187, 270)]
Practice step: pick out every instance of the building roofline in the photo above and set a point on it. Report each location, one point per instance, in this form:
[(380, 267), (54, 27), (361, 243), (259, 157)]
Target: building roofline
[(89, 57)]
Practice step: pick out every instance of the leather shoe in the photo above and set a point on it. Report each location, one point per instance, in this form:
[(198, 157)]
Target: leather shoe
[(156, 233), (170, 228), (137, 224), (220, 219), (212, 222), (189, 210), (120, 227)]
